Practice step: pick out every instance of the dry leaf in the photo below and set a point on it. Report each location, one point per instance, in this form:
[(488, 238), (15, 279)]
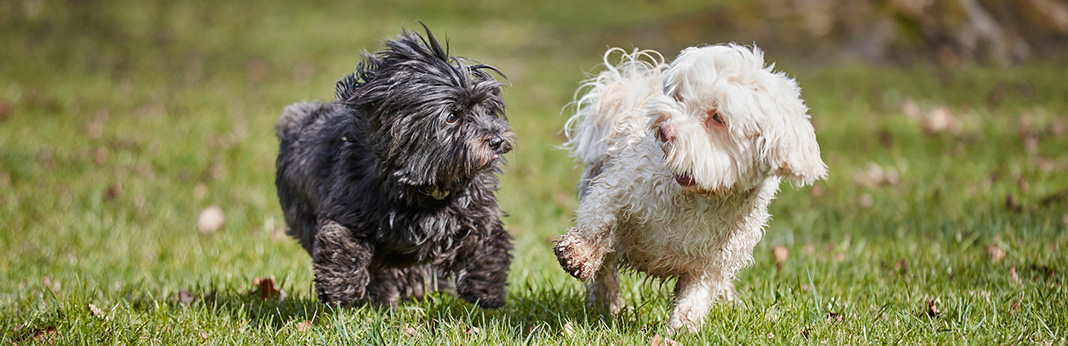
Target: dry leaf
[(568, 330), (996, 253), (910, 109), (932, 307), (304, 326), (1012, 274), (211, 219), (780, 253), (874, 175), (46, 334), (6, 110), (203, 335), (834, 317), (939, 120), (657, 340), (95, 311), (472, 330), (113, 191), (408, 330), (184, 297), (1016, 305), (265, 288), (903, 266), (1013, 204)]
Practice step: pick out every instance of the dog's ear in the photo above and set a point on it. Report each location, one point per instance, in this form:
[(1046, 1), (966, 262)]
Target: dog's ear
[(793, 152)]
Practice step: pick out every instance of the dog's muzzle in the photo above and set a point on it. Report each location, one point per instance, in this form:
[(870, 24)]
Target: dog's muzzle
[(499, 145)]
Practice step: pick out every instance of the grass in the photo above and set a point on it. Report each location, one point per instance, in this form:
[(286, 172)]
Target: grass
[(120, 122)]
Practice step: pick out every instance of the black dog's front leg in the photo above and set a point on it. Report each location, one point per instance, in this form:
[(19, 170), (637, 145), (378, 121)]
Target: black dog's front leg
[(341, 261), (483, 274)]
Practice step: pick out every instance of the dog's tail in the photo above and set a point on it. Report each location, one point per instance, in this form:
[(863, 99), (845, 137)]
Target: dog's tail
[(611, 102), (295, 117)]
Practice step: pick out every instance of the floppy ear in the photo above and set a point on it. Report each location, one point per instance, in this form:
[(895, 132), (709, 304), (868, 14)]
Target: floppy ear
[(793, 153)]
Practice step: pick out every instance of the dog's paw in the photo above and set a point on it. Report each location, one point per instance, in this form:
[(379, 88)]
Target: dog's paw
[(577, 256)]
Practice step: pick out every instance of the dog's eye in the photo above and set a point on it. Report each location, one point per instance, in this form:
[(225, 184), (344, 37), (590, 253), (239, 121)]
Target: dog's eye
[(714, 116), (452, 118)]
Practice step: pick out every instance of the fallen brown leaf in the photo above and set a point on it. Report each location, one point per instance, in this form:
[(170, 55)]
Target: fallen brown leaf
[(95, 311), (932, 307), (995, 253), (903, 266), (1012, 274), (211, 219), (94, 128), (408, 330), (113, 191), (46, 334), (265, 288), (834, 317), (1016, 305), (910, 109), (184, 297), (939, 120), (100, 156), (780, 253), (874, 175), (472, 330), (6, 110), (304, 326), (203, 335)]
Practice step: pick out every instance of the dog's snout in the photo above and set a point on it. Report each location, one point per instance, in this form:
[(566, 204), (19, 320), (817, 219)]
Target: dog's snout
[(498, 144), (665, 133)]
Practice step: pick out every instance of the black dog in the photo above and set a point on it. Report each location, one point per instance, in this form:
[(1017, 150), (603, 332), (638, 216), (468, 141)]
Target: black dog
[(393, 185)]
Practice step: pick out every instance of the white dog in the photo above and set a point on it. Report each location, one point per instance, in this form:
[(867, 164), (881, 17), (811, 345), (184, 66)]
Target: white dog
[(681, 161)]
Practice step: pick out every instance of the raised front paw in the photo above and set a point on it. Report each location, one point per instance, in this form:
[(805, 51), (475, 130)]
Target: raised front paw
[(578, 256)]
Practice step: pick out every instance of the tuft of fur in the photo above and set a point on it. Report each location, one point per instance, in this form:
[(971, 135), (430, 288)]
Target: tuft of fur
[(391, 187), (681, 161)]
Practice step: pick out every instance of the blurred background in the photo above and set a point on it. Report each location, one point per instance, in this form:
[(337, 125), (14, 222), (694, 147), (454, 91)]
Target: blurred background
[(943, 123)]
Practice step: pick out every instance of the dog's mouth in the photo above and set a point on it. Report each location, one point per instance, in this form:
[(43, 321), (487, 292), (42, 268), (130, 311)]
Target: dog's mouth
[(685, 180)]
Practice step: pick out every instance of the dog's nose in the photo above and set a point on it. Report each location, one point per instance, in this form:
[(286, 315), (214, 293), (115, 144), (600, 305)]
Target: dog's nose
[(665, 133), (497, 143)]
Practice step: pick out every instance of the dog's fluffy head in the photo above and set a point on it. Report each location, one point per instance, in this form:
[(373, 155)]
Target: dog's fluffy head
[(726, 121), (434, 119)]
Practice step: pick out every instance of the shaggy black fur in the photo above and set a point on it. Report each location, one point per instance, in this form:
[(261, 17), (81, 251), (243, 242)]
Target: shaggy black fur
[(393, 184)]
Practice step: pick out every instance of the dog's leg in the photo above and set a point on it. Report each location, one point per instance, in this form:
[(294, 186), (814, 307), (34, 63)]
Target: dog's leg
[(482, 275), (581, 251), (389, 285), (340, 260), (603, 292), (694, 295)]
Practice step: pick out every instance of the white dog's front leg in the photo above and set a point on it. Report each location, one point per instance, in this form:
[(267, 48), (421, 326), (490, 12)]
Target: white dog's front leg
[(694, 295), (581, 251)]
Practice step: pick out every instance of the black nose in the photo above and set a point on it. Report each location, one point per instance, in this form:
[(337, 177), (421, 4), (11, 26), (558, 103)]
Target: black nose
[(497, 144)]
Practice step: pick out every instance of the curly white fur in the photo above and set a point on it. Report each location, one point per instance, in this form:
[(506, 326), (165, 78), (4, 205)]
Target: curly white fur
[(681, 162)]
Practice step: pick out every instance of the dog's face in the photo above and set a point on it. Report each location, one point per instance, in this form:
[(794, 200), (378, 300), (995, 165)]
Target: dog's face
[(725, 121), (435, 120)]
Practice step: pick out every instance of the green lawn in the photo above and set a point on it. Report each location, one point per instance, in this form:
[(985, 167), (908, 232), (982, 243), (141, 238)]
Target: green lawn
[(121, 121)]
